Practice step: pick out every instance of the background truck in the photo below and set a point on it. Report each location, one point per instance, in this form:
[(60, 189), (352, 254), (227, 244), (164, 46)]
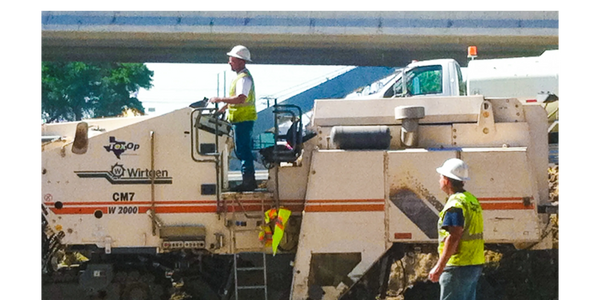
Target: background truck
[(145, 200), (524, 78)]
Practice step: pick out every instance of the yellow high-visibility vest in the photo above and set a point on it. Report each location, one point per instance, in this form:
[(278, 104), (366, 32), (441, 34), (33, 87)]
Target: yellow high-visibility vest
[(277, 219), (245, 111), (470, 247)]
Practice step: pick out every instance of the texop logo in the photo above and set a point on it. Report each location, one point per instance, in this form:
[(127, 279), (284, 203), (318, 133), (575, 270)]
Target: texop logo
[(118, 147)]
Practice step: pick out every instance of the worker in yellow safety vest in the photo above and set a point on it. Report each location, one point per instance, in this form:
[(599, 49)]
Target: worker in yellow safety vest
[(275, 221), (242, 114), (460, 229)]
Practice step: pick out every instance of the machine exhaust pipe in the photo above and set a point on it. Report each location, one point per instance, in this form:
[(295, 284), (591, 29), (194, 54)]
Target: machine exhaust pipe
[(409, 115)]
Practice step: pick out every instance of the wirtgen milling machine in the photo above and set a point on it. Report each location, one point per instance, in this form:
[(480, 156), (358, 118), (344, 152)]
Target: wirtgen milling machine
[(145, 199)]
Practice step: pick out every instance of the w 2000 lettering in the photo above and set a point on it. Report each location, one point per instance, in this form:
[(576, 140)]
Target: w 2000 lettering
[(123, 210)]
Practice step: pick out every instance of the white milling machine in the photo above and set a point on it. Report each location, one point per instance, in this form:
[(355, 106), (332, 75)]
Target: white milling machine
[(156, 187)]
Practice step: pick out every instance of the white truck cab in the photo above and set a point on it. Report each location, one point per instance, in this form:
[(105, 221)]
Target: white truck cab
[(439, 77), (524, 78)]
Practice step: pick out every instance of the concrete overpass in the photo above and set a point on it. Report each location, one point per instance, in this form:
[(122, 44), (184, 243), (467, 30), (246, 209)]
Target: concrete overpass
[(310, 38)]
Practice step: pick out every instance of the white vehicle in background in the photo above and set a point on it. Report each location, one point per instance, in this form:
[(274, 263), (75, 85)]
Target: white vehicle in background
[(524, 78)]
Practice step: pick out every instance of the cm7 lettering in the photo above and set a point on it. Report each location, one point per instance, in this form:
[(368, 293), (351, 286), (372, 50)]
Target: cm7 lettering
[(123, 196)]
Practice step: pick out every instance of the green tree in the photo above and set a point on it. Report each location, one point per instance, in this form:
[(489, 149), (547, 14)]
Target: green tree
[(74, 90)]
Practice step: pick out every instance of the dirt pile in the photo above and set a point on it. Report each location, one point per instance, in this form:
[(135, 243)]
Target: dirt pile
[(508, 274)]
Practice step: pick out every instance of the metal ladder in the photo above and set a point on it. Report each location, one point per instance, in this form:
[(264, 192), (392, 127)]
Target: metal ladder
[(245, 275), (248, 265)]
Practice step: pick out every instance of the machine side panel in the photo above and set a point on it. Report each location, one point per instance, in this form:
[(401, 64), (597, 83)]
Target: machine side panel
[(500, 178), (415, 198), (381, 111), (95, 197), (344, 214), (504, 183)]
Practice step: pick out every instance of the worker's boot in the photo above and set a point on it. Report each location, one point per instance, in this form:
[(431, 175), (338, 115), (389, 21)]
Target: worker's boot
[(248, 184)]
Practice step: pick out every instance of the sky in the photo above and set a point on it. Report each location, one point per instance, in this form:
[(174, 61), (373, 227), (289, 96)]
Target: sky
[(177, 85)]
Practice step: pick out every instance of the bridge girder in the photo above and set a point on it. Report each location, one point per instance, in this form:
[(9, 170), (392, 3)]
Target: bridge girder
[(296, 49)]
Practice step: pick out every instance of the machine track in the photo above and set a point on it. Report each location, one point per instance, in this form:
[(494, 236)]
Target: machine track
[(49, 246)]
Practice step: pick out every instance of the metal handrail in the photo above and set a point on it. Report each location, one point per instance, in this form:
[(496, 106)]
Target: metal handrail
[(194, 143)]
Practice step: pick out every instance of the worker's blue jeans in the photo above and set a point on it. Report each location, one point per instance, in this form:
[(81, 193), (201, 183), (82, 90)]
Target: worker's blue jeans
[(243, 146), (460, 283)]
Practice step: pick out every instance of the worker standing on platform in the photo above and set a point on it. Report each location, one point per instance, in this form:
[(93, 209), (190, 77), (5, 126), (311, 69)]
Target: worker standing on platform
[(242, 114), (460, 229)]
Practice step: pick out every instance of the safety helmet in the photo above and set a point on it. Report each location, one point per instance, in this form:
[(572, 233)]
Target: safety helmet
[(240, 52), (454, 168)]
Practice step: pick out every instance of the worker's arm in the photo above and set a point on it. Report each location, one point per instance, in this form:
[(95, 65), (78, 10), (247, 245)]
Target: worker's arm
[(243, 88), (239, 99), (450, 247), (453, 223)]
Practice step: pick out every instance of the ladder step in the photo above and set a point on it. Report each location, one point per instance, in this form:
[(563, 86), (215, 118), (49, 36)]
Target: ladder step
[(251, 287)]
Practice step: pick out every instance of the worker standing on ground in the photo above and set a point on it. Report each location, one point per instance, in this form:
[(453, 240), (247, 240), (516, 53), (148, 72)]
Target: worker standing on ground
[(242, 113), (460, 229)]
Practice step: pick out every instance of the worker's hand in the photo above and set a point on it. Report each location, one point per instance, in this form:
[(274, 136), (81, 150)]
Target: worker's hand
[(223, 109), (214, 100), (435, 273)]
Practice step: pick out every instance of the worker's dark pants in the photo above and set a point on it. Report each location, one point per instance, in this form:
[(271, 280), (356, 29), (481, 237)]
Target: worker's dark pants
[(243, 147), (460, 283)]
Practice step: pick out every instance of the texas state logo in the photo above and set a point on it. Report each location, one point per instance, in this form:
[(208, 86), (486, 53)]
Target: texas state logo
[(119, 147)]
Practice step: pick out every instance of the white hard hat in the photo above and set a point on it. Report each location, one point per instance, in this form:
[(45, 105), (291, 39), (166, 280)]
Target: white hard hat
[(240, 52), (454, 168)]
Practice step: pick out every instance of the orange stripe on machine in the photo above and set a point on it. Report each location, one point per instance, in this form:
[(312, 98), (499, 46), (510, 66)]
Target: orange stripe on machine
[(346, 205), (313, 205), (506, 203), (169, 206)]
